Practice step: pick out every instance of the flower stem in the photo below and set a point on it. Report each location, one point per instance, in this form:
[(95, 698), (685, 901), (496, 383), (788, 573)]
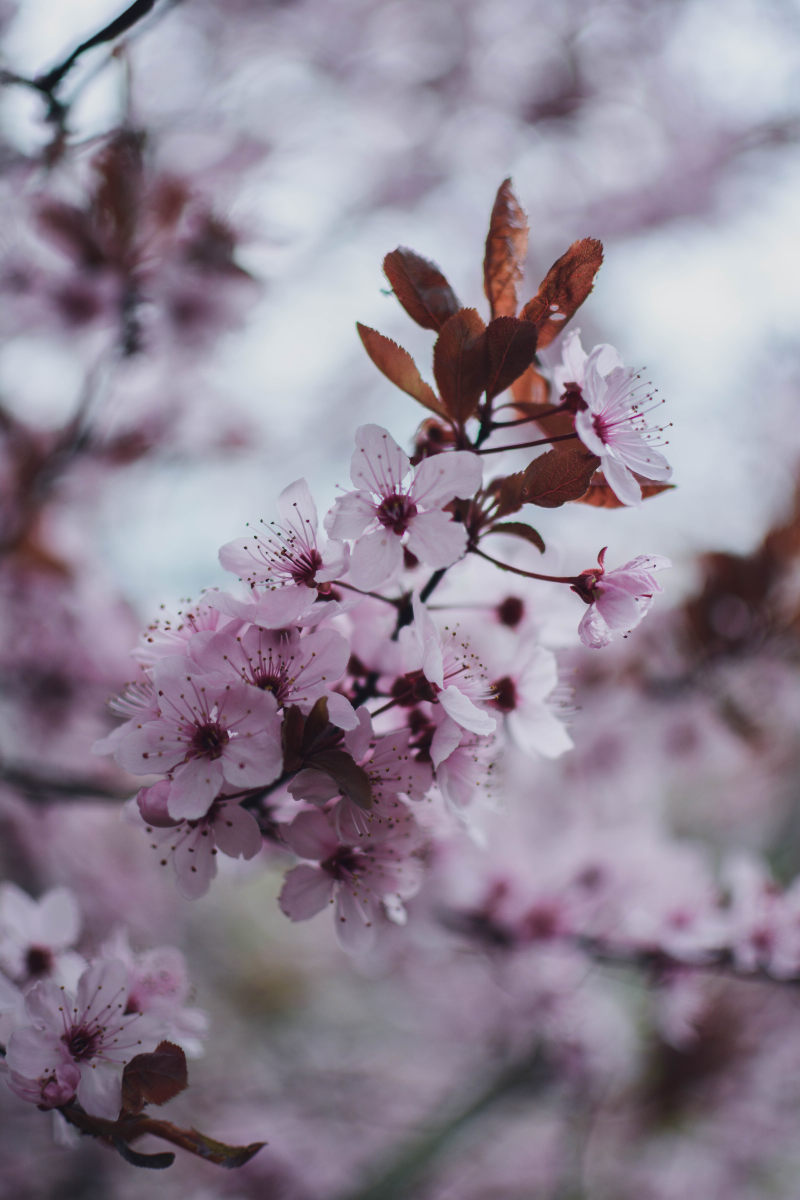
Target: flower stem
[(547, 441), (570, 579)]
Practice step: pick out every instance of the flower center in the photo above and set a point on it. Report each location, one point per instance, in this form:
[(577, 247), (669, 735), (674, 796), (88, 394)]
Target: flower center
[(396, 512), (81, 1042), (210, 740), (505, 694), (38, 961), (343, 864)]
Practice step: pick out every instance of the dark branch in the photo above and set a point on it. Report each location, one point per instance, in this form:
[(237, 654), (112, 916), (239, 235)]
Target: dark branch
[(49, 82)]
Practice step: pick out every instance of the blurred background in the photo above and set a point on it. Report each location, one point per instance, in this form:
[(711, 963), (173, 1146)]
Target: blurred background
[(186, 248)]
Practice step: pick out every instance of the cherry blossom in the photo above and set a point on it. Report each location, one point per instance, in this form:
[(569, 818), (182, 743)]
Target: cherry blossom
[(611, 423), (37, 936), (287, 559), (618, 599), (191, 846), (78, 1045), (390, 510), (294, 668), (209, 732), (364, 878)]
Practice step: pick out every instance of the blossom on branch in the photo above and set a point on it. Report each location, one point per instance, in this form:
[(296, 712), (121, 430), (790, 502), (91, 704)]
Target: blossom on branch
[(389, 510), (618, 599)]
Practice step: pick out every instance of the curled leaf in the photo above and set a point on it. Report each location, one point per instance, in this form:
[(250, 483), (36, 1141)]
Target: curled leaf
[(558, 476), (352, 779), (506, 247), (564, 289), (511, 345), (520, 530), (460, 363), (398, 366), (420, 287), (154, 1078)]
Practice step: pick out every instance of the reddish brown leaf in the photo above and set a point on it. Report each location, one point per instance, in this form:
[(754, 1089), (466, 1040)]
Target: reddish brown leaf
[(420, 287), (531, 389), (398, 365), (600, 494), (520, 530), (460, 363), (564, 289), (558, 476), (345, 771), (154, 1078), (509, 492), (511, 345), (506, 247)]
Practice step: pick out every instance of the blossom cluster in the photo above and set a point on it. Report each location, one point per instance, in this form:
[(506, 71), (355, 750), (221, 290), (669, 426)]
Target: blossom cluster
[(329, 706), (68, 1024)]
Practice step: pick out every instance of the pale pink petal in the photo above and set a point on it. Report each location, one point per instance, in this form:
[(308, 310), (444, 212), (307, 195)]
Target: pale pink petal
[(440, 478), (464, 712), (354, 929), (310, 836), (252, 760), (350, 515), (378, 464), (236, 832), (195, 863), (593, 630), (195, 786), (436, 539), (375, 559), (622, 483), (305, 892), (100, 1090)]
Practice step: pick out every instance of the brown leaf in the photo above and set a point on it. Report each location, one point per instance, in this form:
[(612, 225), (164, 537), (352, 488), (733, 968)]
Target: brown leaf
[(420, 287), (531, 389), (558, 476), (564, 289), (521, 530), (600, 494), (511, 345), (345, 771), (154, 1078), (461, 364), (398, 365), (509, 492), (506, 247)]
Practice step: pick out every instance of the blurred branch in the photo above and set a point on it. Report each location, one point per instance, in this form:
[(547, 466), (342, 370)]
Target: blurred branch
[(528, 1076), (43, 787), (121, 24)]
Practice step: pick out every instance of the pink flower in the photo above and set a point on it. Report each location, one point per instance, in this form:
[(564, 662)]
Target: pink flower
[(295, 668), (209, 732), (456, 680), (287, 558), (390, 510), (364, 878), (612, 425), (36, 935), (523, 693), (78, 1045), (192, 846), (619, 599)]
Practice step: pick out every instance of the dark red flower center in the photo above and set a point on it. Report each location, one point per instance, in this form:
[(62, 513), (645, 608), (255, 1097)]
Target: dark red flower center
[(505, 694), (210, 740), (38, 961), (396, 512), (81, 1042), (343, 864)]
